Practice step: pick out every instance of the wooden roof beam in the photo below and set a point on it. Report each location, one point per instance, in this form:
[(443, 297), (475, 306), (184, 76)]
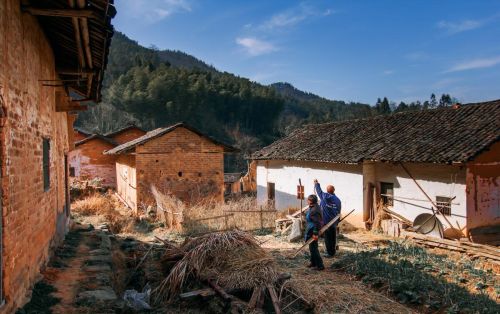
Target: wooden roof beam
[(83, 13)]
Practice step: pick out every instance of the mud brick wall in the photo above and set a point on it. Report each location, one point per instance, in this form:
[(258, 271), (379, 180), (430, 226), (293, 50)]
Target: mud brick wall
[(127, 135), (89, 162), (29, 214), (183, 163)]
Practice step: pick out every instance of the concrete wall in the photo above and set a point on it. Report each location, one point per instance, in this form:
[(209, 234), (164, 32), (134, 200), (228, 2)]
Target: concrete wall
[(89, 162), (435, 179), (127, 135), (483, 196), (347, 179), (182, 163), (126, 178), (29, 213)]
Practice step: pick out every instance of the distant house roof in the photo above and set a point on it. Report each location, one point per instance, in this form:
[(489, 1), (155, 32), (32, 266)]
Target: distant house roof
[(128, 146), (123, 129), (72, 50), (98, 137), (80, 130), (232, 177), (443, 135)]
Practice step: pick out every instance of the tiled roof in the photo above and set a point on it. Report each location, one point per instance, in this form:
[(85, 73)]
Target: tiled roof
[(84, 132), (441, 135), (61, 34), (96, 136), (123, 129), (128, 146)]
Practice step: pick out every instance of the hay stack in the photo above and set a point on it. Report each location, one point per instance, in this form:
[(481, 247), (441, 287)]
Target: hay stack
[(233, 260)]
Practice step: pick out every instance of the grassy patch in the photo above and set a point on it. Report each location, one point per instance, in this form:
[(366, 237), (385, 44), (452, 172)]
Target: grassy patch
[(432, 282)]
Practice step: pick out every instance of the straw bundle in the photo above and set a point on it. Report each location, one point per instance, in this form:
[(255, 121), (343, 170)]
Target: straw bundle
[(233, 259)]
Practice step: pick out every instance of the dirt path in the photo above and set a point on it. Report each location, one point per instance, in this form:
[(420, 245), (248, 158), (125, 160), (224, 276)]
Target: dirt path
[(78, 278)]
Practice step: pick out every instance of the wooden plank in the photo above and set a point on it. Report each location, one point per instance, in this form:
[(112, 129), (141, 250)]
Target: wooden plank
[(84, 13), (203, 293), (328, 225), (274, 298)]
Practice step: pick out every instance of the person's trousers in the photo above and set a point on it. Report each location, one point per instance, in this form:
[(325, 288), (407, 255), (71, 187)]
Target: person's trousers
[(316, 259), (330, 236)]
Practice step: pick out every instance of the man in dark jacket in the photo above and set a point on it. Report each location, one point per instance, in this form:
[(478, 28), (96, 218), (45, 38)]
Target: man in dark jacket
[(313, 226), (330, 206)]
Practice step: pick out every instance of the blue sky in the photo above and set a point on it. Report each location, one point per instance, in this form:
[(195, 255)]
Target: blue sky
[(346, 50)]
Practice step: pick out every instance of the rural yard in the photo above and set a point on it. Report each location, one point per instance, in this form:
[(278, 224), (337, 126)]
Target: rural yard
[(187, 156), (109, 251)]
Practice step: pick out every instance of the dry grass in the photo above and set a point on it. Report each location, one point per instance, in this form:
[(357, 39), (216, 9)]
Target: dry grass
[(380, 215), (233, 259), (95, 204)]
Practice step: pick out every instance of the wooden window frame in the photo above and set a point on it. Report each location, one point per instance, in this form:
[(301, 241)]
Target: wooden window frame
[(46, 163), (443, 203), (386, 200)]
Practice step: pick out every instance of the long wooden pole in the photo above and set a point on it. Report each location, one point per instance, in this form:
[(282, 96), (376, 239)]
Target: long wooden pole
[(430, 200), (322, 230)]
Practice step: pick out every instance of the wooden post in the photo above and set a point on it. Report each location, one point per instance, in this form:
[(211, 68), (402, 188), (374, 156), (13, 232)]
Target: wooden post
[(261, 222)]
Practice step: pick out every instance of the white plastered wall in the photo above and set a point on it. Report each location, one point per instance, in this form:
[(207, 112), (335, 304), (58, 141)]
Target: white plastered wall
[(435, 180), (347, 179)]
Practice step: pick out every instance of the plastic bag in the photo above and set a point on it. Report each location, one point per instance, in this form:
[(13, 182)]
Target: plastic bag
[(296, 232), (138, 300)]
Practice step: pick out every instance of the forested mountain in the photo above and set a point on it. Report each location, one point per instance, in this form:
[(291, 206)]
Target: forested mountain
[(154, 88)]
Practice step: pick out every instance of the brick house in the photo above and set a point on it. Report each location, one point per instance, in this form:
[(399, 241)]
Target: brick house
[(178, 160), (453, 153), (87, 160), (80, 134), (126, 134), (42, 61)]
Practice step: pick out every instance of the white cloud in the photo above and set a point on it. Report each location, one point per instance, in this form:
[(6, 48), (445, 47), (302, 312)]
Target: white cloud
[(475, 64), (293, 17), (254, 46), (458, 27), (466, 25), (151, 11), (388, 72)]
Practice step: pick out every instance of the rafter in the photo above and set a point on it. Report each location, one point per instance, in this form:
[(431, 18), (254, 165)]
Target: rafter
[(83, 13)]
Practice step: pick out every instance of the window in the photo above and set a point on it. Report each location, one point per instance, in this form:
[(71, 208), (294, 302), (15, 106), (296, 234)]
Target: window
[(271, 194), (387, 193), (71, 171), (46, 164), (443, 203)]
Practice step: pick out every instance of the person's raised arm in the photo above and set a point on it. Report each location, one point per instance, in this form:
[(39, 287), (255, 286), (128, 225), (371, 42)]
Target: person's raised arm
[(317, 189)]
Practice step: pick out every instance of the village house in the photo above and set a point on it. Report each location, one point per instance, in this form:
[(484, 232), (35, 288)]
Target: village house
[(48, 49), (80, 134), (126, 134), (87, 160), (453, 153), (178, 160), (232, 183)]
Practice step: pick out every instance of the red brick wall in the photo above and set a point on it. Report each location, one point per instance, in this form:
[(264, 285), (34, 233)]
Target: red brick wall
[(29, 214), (89, 162), (128, 135), (183, 163)]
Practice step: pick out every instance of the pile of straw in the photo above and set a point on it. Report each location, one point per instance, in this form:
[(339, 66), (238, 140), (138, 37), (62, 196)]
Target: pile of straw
[(233, 259)]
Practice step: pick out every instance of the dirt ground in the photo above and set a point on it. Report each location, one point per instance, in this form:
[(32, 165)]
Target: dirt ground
[(103, 256)]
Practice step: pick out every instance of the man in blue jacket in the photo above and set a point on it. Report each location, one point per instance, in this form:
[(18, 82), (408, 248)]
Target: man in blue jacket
[(330, 206)]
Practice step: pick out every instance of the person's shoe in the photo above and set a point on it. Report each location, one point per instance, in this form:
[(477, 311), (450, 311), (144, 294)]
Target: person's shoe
[(320, 268)]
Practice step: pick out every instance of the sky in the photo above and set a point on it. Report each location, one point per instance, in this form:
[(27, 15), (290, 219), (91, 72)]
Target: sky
[(351, 50)]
